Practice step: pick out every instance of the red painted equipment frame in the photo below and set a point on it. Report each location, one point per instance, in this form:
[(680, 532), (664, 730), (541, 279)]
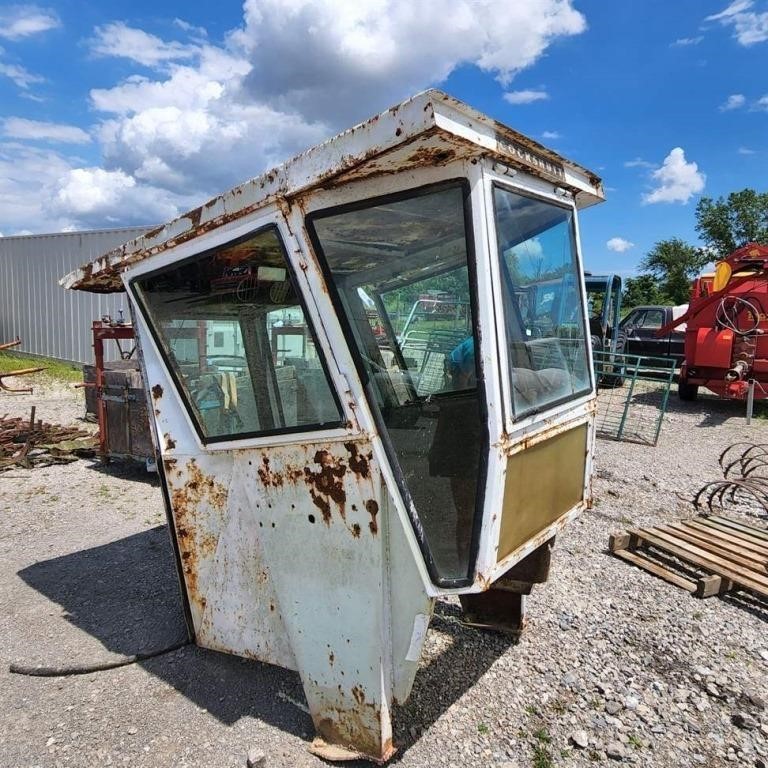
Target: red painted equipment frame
[(717, 356)]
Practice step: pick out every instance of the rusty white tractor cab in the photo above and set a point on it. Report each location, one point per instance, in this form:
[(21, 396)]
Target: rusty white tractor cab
[(328, 475)]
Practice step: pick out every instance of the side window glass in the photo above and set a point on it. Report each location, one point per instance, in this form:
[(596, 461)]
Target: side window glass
[(234, 333), (653, 319), (544, 316)]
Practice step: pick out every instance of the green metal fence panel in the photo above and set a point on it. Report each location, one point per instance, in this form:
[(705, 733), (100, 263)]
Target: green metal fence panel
[(633, 396)]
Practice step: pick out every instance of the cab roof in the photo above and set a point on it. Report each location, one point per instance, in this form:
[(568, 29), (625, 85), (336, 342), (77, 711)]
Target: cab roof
[(429, 129)]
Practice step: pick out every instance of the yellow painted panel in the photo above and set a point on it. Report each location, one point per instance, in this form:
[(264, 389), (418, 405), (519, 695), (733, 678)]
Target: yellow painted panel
[(543, 482)]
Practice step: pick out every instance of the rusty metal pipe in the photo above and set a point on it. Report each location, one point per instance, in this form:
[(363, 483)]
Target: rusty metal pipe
[(22, 372)]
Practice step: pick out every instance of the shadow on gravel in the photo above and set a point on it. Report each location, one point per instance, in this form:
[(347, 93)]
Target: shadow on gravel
[(714, 411), (135, 471), (126, 595), (448, 676)]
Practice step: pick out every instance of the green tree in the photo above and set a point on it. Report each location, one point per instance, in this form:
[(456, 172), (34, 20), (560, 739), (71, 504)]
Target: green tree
[(727, 224), (640, 290), (674, 263)]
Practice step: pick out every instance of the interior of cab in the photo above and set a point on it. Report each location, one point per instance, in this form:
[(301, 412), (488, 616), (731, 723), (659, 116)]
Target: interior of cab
[(234, 332)]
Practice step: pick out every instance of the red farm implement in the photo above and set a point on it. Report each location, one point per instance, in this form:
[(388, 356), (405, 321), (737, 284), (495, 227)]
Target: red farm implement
[(726, 336)]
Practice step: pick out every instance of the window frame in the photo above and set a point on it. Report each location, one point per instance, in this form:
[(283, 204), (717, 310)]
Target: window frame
[(462, 183), (181, 390), (520, 418)]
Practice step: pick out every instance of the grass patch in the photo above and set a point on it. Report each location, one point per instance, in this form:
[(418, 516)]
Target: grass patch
[(541, 757), (55, 370), (559, 707), (635, 741)]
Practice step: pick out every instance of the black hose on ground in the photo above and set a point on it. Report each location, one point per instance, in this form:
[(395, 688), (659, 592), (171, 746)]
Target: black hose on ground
[(86, 669)]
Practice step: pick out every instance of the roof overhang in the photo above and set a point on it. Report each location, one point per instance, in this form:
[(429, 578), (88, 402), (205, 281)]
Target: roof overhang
[(429, 129)]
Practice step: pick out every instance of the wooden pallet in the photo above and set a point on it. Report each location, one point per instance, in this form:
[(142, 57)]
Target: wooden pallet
[(733, 555)]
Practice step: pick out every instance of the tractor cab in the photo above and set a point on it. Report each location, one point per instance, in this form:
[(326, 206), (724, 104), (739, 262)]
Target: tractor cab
[(369, 378)]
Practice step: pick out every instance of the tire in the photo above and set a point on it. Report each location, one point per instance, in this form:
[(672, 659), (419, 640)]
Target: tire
[(686, 391)]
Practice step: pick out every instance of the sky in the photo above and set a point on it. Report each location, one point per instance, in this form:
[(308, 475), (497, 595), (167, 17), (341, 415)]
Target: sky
[(116, 114)]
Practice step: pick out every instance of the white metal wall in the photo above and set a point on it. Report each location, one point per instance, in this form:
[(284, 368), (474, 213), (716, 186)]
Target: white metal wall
[(50, 320)]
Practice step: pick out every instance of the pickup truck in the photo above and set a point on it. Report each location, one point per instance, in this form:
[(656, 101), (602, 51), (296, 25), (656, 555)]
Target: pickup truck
[(639, 328)]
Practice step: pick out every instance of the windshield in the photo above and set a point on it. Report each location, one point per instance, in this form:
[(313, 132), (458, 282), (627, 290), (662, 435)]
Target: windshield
[(544, 316), (400, 272)]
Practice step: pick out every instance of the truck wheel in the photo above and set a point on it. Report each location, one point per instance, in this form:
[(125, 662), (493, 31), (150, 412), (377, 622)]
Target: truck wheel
[(686, 391)]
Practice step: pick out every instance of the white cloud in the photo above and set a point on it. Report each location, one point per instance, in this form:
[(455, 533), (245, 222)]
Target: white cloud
[(735, 8), (342, 61), (19, 21), (34, 130), (530, 255), (20, 76), (619, 245), (551, 135), (119, 40), (685, 41), (193, 118), (749, 28), (761, 105), (677, 180), (682, 42), (27, 174), (745, 151), (638, 162), (525, 97), (734, 101), (94, 196)]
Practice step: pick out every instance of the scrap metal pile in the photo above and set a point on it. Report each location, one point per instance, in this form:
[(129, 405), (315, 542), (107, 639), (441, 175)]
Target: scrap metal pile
[(745, 479), (30, 443)]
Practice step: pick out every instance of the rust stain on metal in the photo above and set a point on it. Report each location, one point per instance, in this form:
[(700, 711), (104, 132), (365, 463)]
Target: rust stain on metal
[(322, 504), (358, 462), (432, 156), (194, 216), (325, 480), (194, 544), (157, 392), (348, 733), (274, 479), (510, 445), (372, 508), (268, 477), (170, 443), (326, 485)]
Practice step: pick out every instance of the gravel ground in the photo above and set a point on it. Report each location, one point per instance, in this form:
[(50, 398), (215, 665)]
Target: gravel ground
[(615, 665)]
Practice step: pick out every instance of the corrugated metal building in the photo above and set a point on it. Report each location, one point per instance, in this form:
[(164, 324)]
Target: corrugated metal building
[(50, 320)]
